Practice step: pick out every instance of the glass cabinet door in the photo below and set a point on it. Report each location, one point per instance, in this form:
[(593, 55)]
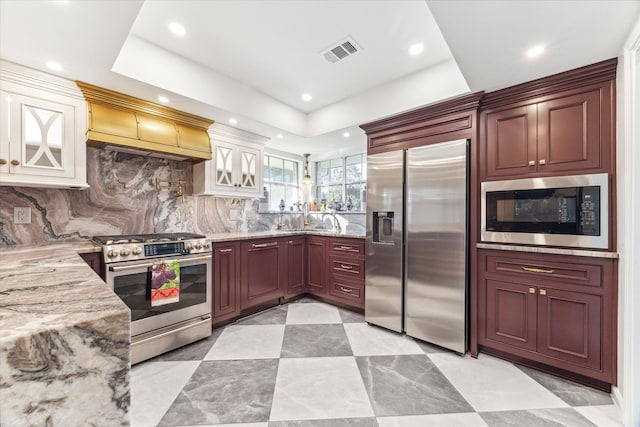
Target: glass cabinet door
[(224, 166), (248, 178), (41, 137)]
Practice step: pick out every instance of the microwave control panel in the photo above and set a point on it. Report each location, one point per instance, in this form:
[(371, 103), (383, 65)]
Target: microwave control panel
[(589, 211)]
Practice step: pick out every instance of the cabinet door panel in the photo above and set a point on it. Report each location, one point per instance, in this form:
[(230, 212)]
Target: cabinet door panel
[(226, 281), (316, 266), (296, 260), (511, 314), (260, 274), (511, 141), (569, 133), (569, 326)]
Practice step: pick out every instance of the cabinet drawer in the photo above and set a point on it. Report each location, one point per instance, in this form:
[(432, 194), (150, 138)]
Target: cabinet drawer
[(352, 268), (535, 269), (348, 291), (353, 247)]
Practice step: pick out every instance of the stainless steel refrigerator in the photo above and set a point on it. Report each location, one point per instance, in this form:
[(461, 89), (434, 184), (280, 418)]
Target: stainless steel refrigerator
[(416, 243)]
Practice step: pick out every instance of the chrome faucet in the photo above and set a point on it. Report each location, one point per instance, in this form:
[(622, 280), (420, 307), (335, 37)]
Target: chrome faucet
[(336, 224)]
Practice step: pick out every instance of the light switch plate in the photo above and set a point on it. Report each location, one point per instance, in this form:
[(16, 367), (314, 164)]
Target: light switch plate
[(22, 215)]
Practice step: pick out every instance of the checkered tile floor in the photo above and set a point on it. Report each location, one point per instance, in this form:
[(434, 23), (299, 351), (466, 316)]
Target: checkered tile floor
[(310, 364)]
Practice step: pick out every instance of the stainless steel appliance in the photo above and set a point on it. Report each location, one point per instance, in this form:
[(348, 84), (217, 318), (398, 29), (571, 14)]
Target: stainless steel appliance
[(128, 270), (416, 243), (557, 211)]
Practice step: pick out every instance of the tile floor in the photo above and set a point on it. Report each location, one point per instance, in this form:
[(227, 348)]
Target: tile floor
[(309, 364)]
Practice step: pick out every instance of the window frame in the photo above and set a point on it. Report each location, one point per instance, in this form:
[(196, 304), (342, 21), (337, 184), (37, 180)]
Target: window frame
[(296, 185), (343, 183)]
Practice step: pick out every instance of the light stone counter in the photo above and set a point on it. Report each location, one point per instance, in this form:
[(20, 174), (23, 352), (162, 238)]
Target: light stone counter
[(226, 237), (548, 250), (64, 341)]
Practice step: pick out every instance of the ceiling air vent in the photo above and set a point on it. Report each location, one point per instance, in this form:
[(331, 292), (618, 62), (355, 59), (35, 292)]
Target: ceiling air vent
[(341, 50)]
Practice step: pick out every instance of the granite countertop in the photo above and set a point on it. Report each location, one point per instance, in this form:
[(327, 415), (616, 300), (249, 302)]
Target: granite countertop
[(48, 286), (548, 250), (64, 335), (225, 237)]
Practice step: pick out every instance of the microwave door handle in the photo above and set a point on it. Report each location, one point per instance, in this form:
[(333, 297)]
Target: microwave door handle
[(149, 264)]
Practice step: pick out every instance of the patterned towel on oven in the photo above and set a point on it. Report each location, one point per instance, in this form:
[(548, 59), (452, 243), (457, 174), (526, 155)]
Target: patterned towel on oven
[(165, 282)]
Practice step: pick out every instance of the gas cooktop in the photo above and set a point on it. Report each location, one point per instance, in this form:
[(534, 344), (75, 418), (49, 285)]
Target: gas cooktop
[(134, 247), (146, 238)]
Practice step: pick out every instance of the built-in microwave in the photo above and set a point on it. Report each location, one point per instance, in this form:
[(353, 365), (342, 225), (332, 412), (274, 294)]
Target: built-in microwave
[(570, 211)]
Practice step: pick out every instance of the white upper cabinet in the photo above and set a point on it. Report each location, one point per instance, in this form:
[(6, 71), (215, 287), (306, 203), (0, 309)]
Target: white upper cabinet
[(236, 167), (43, 119)]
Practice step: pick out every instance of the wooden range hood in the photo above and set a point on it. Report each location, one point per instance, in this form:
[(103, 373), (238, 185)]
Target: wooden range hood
[(123, 123)]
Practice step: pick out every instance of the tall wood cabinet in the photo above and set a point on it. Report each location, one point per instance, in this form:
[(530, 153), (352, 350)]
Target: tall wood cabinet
[(556, 312), (296, 266)]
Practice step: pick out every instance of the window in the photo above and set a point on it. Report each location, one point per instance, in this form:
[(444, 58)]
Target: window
[(342, 182), (281, 182)]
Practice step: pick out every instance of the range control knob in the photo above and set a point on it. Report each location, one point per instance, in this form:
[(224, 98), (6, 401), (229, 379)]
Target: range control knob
[(136, 250), (125, 252), (198, 245), (112, 253), (207, 245)]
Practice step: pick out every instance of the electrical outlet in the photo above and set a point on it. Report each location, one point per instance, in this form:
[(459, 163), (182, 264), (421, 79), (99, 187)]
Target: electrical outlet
[(22, 215)]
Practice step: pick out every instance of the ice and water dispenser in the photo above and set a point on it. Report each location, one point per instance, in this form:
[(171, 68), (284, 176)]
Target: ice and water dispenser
[(383, 227)]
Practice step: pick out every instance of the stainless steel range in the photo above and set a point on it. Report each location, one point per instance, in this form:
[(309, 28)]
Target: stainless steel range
[(165, 280)]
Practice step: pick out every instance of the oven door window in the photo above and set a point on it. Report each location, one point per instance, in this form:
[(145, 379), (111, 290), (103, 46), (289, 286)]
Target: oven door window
[(135, 290)]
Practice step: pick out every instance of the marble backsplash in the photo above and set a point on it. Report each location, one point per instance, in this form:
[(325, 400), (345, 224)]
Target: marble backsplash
[(122, 199)]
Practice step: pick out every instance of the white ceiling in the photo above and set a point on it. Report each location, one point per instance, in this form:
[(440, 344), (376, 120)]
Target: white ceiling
[(252, 59)]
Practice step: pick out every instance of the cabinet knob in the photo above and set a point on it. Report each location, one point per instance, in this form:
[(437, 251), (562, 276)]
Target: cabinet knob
[(532, 162), (532, 290), (542, 162), (543, 292), (15, 162), (3, 161)]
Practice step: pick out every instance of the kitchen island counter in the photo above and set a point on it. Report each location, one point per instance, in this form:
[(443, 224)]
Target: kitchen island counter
[(64, 341)]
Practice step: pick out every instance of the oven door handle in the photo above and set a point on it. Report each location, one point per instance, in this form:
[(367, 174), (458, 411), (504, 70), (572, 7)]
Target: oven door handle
[(149, 264)]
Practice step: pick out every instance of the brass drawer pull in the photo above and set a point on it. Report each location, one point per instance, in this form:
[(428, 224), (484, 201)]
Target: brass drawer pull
[(346, 248), (346, 267), (542, 162), (225, 251), (532, 290), (346, 290), (538, 270), (532, 162), (264, 245), (543, 292)]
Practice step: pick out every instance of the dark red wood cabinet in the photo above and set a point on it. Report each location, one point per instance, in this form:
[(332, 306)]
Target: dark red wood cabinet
[(317, 265), (561, 135), (226, 281), (346, 271), (553, 309), (296, 266), (262, 267)]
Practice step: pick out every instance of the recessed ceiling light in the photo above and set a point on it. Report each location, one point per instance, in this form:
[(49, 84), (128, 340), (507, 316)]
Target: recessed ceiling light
[(279, 136), (233, 121), (535, 51), (346, 134), (163, 99), (306, 97), (177, 29), (416, 49), (54, 66)]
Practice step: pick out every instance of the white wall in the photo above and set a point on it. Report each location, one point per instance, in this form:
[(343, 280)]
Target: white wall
[(628, 191)]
